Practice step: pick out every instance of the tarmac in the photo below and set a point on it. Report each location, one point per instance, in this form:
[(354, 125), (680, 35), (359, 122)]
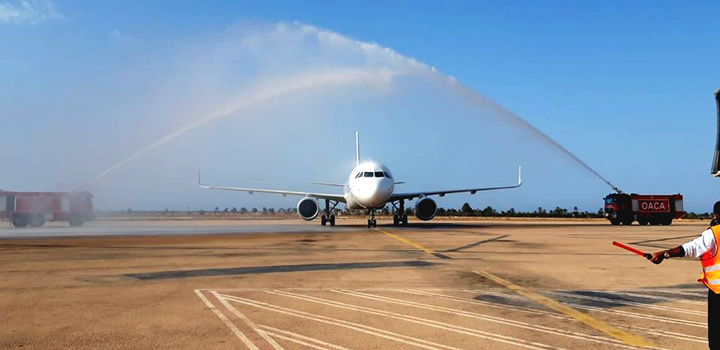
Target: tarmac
[(288, 284)]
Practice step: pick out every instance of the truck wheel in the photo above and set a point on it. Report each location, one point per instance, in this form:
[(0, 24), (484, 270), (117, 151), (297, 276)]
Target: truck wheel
[(19, 220), (614, 221), (667, 221), (642, 222), (76, 221), (37, 221), (654, 222), (628, 221)]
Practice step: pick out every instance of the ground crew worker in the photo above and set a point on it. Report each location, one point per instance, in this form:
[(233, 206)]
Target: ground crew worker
[(704, 248)]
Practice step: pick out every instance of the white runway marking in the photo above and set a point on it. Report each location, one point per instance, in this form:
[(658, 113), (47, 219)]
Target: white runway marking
[(322, 344), (631, 303), (653, 297), (423, 321), (345, 324), (227, 322), (488, 318), (612, 311), (678, 336), (248, 322), (548, 336)]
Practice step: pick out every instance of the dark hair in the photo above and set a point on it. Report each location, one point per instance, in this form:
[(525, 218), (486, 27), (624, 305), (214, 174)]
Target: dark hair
[(716, 208)]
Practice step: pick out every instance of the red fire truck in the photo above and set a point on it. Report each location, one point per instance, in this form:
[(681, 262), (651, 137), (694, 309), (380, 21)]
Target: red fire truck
[(35, 208), (645, 208)]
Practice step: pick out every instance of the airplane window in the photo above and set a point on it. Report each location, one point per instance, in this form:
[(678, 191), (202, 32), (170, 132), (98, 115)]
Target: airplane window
[(379, 174), (358, 175), (368, 174), (388, 175)]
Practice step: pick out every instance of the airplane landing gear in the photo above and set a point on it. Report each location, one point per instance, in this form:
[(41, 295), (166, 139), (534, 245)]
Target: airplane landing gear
[(328, 217), (371, 221), (400, 218)]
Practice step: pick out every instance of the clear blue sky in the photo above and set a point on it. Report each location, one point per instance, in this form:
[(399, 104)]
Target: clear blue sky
[(627, 86)]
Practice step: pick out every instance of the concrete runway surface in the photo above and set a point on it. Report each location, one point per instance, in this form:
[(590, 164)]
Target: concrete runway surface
[(287, 284)]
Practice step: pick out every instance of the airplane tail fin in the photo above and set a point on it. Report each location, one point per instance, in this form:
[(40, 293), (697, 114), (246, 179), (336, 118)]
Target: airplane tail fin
[(357, 148)]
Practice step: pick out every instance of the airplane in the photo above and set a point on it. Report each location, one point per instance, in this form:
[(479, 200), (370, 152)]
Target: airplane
[(370, 186)]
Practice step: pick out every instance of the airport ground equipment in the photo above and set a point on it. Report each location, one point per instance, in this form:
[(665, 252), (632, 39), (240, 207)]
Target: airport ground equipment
[(715, 170), (633, 250), (35, 208), (623, 208)]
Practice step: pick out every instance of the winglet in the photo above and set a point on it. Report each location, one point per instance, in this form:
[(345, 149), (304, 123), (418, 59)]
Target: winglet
[(519, 176), (357, 148), (200, 181)]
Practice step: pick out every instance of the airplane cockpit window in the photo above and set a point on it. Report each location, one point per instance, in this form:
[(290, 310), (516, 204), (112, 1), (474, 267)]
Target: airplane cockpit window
[(388, 175), (368, 174), (379, 174), (358, 175)]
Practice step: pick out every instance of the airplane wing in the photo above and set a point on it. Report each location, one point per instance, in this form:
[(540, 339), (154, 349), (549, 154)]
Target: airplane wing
[(330, 196), (398, 196)]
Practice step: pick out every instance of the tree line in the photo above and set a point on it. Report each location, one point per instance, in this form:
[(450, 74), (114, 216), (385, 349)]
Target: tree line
[(465, 210)]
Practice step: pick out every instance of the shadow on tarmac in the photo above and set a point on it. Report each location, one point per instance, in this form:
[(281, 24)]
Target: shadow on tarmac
[(274, 269)]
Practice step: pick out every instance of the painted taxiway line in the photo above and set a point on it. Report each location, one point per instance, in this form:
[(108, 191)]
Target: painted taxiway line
[(628, 338), (408, 242)]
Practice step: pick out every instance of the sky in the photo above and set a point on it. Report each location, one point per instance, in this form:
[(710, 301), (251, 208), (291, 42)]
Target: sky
[(626, 86)]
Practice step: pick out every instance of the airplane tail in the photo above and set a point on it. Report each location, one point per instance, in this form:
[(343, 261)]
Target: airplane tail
[(357, 148)]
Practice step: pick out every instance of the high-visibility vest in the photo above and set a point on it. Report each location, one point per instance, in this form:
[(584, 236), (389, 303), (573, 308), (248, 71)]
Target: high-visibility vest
[(711, 265)]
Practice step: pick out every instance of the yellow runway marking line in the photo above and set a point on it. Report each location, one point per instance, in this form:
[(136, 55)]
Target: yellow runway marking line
[(408, 242), (628, 338)]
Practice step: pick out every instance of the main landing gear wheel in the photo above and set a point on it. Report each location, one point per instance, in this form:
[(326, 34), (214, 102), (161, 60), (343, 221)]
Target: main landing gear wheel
[(400, 220), (324, 220), (328, 217)]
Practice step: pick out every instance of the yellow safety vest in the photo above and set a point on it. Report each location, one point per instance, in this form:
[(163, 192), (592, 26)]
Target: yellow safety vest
[(711, 265)]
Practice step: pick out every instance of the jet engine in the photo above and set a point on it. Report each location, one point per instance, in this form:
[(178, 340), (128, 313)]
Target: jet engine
[(425, 209), (308, 209)]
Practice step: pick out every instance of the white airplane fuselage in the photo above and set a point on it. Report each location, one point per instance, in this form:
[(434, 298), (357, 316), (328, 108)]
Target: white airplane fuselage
[(370, 186)]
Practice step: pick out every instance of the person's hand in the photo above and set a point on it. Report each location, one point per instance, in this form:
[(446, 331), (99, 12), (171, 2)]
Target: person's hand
[(658, 257)]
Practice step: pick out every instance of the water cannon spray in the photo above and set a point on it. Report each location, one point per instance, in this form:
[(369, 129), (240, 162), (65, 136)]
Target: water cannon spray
[(715, 170)]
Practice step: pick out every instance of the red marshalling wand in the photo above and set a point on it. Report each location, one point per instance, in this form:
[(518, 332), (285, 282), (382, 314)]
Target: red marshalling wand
[(633, 250)]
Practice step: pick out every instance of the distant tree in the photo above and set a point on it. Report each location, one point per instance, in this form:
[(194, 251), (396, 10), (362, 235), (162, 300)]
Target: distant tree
[(243, 210), (254, 210), (489, 211), (233, 210), (202, 212), (264, 210), (467, 209), (271, 211), (129, 210), (217, 209), (226, 210)]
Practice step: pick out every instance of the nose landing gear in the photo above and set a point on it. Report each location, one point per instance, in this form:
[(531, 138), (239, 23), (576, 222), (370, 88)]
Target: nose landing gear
[(371, 221)]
